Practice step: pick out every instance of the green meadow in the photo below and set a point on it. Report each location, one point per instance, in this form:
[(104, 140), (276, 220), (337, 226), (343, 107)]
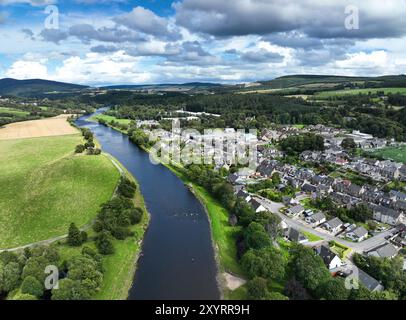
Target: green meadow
[(108, 119), (45, 187), (397, 154), (12, 111), (329, 94)]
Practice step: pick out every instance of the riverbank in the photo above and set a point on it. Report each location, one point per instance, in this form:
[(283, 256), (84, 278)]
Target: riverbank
[(121, 266), (223, 235)]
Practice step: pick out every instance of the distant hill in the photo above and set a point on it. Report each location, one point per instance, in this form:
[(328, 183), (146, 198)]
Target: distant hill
[(167, 87), (27, 88), (306, 80)]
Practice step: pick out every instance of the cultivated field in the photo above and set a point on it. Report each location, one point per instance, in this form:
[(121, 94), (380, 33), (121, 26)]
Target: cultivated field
[(37, 128), (45, 187)]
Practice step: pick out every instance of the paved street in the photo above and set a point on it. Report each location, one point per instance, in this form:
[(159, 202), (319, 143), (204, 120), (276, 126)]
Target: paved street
[(360, 247)]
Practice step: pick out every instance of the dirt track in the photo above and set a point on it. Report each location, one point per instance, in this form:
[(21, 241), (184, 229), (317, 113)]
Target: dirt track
[(57, 126)]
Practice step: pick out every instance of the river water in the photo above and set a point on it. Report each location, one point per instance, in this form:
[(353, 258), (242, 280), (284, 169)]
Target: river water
[(177, 261)]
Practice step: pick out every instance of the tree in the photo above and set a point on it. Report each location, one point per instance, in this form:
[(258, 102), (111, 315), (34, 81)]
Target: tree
[(308, 268), (256, 236), (70, 290), (348, 144), (104, 243), (257, 288), (276, 179), (75, 238), (266, 263), (136, 215), (333, 289), (32, 287), (22, 296), (80, 148), (9, 276)]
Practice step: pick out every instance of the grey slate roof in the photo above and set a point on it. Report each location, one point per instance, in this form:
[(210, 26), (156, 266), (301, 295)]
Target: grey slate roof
[(384, 251), (369, 282), (335, 223), (295, 235), (360, 232)]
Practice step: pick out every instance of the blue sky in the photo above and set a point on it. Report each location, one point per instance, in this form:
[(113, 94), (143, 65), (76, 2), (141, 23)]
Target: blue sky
[(156, 41)]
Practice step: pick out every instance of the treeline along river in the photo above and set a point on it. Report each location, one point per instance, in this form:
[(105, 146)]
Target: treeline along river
[(177, 260)]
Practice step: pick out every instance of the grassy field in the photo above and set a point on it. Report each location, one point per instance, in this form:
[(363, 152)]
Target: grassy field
[(121, 266), (45, 187), (15, 112), (110, 118), (397, 154), (328, 94)]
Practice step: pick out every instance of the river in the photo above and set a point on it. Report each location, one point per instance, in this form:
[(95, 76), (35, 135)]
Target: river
[(177, 261)]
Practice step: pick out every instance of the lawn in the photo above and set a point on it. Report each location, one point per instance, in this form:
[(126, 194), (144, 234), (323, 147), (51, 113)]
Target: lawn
[(339, 249), (120, 267), (45, 187), (397, 154), (312, 237), (12, 111), (110, 118)]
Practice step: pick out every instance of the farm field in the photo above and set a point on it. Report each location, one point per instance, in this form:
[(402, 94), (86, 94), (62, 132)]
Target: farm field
[(110, 118), (328, 94), (12, 111), (397, 154), (45, 187), (56, 126)]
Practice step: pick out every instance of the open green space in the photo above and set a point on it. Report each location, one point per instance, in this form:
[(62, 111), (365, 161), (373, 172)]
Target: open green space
[(108, 119), (329, 94), (397, 154), (45, 187), (12, 111)]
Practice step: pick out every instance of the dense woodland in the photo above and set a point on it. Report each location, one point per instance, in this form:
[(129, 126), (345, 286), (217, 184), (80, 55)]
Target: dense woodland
[(260, 111)]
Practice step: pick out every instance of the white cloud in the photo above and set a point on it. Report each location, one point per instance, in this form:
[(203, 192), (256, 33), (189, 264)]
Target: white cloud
[(27, 70)]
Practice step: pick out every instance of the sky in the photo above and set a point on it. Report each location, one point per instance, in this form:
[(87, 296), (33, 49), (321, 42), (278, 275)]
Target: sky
[(107, 42)]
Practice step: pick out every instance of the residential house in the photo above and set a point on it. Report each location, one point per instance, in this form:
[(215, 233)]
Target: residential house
[(386, 250), (296, 236), (370, 283), (295, 211), (397, 196), (309, 188), (316, 219), (334, 225), (385, 214), (244, 195), (258, 207), (359, 234), (330, 259)]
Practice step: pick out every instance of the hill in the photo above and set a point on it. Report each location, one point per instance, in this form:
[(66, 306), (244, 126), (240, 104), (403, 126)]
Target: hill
[(304, 81), (167, 87), (28, 88), (45, 187)]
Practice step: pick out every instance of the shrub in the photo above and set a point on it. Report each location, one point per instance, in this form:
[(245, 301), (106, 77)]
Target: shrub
[(104, 243), (80, 148), (32, 287)]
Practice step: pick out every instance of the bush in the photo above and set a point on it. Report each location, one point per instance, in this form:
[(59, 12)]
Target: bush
[(136, 216), (75, 237), (104, 243), (80, 148), (127, 188), (32, 287)]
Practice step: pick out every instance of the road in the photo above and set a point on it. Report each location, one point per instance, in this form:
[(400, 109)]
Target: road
[(358, 247)]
